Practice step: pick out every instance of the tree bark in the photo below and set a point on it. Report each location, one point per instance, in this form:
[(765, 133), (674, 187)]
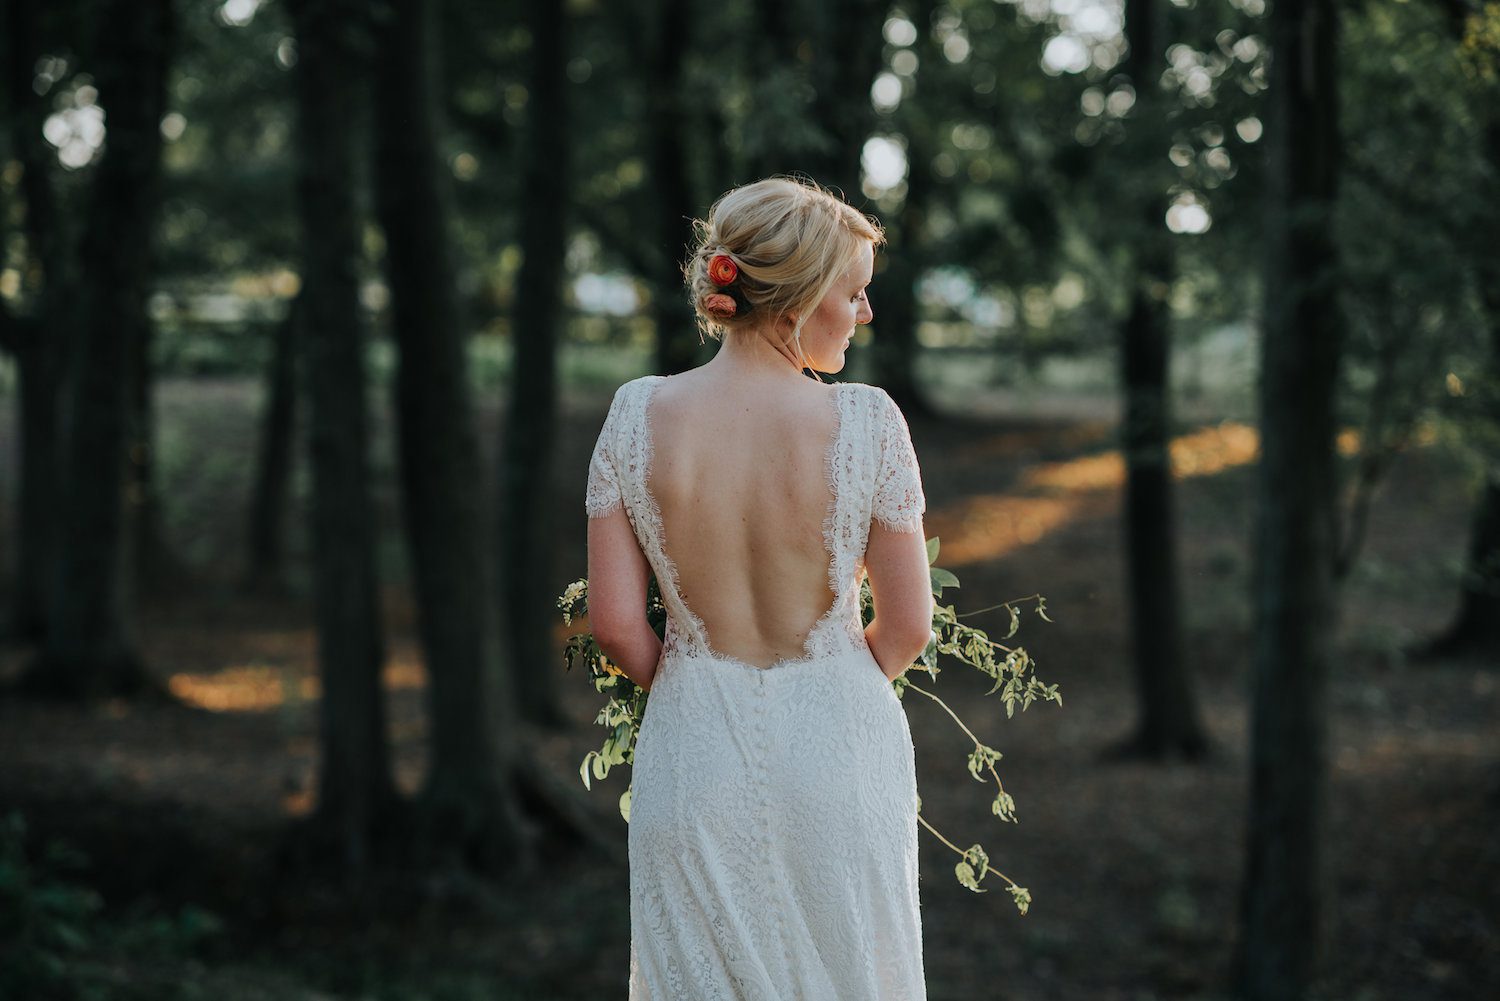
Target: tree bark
[(894, 348), (527, 520), (1476, 627), (88, 650), (469, 808), (677, 347), (265, 560), (154, 565), (846, 55), (775, 64), (1285, 884), (37, 339), (355, 790), (1168, 722)]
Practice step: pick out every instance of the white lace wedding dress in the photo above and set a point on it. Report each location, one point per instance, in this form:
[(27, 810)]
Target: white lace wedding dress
[(773, 830)]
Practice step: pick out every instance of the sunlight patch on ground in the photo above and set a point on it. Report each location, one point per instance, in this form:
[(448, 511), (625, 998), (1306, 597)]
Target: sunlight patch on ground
[(1050, 494), (984, 528), (1203, 452), (258, 687), (987, 527)]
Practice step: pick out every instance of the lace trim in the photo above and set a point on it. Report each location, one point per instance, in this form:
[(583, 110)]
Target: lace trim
[(898, 502), (602, 494), (656, 552)]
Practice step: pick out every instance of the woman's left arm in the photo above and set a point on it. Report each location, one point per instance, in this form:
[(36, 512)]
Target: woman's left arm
[(618, 576)]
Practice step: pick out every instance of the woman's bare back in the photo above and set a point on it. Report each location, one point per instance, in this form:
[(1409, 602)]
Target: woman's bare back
[(739, 471)]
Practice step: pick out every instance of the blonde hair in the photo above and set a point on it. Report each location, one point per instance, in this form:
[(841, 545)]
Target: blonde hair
[(790, 239)]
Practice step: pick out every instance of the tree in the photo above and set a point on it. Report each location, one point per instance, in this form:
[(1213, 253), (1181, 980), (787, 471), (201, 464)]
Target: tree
[(1475, 627), (265, 562), (88, 650), (894, 351), (467, 806), (1283, 890), (526, 459), (845, 43), (1168, 720), (670, 31), (355, 790), (35, 337)]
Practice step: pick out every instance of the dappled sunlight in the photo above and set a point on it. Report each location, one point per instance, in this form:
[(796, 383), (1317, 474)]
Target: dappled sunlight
[(1053, 494), (1008, 444), (984, 528), (259, 687), (1203, 452)]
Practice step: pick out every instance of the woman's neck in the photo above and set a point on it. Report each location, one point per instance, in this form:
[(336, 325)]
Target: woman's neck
[(753, 354)]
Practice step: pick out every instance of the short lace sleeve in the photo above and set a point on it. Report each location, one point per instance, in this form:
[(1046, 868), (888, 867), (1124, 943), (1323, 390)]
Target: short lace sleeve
[(603, 493), (899, 501)]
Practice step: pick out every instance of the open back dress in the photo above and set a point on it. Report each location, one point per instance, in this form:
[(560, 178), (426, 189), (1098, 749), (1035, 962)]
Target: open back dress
[(773, 827)]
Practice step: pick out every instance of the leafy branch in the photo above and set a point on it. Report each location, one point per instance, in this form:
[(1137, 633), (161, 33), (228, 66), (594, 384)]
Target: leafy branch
[(1010, 667)]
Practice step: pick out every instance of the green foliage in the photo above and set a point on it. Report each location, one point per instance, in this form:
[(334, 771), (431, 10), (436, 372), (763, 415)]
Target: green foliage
[(51, 925), (1010, 668), (45, 920)]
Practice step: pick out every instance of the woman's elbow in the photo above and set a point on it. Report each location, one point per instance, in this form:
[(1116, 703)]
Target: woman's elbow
[(611, 634)]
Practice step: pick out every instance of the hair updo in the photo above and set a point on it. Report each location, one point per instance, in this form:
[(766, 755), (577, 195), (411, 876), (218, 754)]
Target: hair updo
[(788, 240)]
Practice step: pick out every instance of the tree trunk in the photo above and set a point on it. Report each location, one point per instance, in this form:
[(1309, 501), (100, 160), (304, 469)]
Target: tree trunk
[(265, 562), (677, 346), (894, 348), (1476, 627), (155, 565), (1478, 623), (1285, 884), (37, 340), (774, 65), (846, 58), (88, 651), (355, 789), (1168, 722), (469, 808), (527, 525), (37, 369)]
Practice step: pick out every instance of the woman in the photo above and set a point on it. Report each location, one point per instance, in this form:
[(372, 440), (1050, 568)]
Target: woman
[(773, 830)]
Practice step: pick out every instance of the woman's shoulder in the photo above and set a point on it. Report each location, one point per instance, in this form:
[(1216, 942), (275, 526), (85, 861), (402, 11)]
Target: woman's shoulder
[(879, 403), (632, 389)]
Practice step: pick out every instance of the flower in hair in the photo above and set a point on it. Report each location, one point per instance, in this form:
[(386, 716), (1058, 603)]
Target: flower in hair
[(719, 305), (722, 270)]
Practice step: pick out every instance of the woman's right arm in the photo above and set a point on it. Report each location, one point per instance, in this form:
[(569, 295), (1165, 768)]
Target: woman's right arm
[(618, 575), (896, 552), (618, 570), (902, 588)]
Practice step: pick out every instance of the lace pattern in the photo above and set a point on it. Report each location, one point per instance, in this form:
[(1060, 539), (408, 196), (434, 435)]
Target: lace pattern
[(773, 831), (899, 501)]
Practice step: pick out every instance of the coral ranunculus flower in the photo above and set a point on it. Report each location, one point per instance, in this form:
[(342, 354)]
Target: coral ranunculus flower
[(722, 270), (719, 305)]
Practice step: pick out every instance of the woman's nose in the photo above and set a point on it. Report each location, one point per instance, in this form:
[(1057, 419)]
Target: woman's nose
[(866, 314)]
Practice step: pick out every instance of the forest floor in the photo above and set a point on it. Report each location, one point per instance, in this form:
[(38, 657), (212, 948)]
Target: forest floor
[(1134, 868)]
